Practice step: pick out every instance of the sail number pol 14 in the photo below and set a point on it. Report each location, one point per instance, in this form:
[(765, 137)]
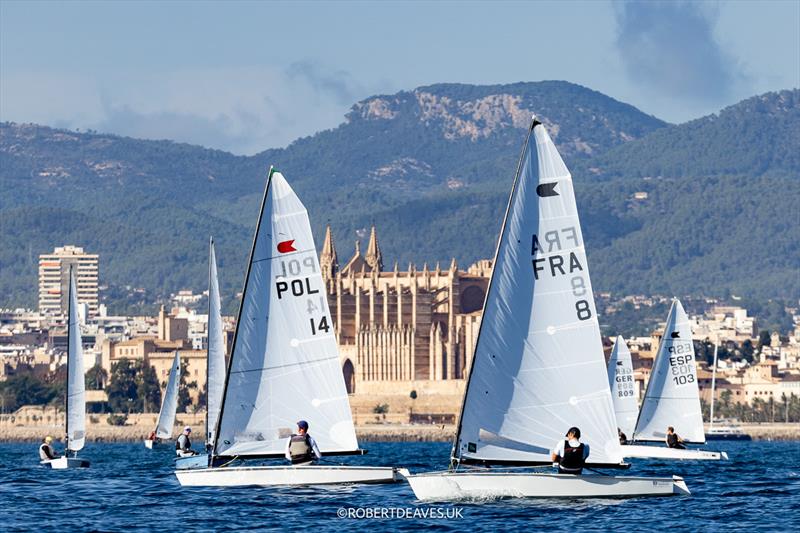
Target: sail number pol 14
[(300, 287), (562, 264), (681, 362)]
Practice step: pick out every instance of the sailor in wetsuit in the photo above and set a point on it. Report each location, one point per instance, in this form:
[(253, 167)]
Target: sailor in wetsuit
[(674, 440), (301, 448), (571, 454), (46, 451)]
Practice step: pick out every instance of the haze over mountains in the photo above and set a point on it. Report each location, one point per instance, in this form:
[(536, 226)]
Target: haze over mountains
[(431, 168)]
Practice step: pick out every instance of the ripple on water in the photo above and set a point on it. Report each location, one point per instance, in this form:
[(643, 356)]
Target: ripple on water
[(131, 488)]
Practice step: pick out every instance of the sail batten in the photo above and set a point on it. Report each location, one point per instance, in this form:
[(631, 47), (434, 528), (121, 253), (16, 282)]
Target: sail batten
[(169, 405), (76, 386), (285, 362), (538, 367), (672, 397)]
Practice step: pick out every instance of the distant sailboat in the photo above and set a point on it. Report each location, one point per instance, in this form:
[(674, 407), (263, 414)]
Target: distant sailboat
[(538, 366), (623, 391), (169, 405), (215, 365), (672, 397), (284, 365), (75, 416)]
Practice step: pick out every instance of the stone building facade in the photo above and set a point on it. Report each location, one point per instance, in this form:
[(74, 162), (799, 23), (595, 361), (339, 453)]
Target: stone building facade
[(402, 326)]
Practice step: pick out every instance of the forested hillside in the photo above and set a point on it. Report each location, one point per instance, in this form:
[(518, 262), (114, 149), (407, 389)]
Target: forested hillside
[(431, 168)]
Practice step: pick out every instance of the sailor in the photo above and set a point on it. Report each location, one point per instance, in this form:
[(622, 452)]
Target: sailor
[(571, 454), (183, 446), (623, 438), (674, 440), (301, 448), (46, 451)]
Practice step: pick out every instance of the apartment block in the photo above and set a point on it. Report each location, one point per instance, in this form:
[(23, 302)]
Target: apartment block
[(54, 279)]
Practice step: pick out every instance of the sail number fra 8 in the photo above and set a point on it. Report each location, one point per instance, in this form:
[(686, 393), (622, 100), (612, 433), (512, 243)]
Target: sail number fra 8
[(558, 264)]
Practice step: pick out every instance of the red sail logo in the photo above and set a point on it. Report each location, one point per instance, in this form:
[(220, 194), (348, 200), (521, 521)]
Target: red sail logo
[(286, 246)]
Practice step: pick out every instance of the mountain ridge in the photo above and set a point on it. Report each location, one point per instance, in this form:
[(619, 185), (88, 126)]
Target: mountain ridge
[(431, 167)]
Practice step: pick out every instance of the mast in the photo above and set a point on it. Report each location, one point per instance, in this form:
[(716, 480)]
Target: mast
[(713, 386), (453, 458), (239, 315), (69, 343)]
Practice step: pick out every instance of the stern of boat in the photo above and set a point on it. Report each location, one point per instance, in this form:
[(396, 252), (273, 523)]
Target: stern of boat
[(679, 486)]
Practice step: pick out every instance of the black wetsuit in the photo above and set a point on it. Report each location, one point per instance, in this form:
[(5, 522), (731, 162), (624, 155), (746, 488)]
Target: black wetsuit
[(673, 442)]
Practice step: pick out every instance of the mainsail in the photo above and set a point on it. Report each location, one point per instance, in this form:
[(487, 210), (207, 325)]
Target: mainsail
[(215, 381), (285, 362), (169, 405), (623, 391), (538, 367), (76, 386), (672, 397)]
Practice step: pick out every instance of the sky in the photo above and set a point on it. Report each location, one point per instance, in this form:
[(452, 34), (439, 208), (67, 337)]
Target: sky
[(247, 76)]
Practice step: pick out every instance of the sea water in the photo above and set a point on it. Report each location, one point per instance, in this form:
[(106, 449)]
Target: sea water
[(130, 488)]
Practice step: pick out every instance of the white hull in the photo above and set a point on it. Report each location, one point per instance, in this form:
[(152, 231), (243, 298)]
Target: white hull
[(62, 463), (662, 452), (286, 475), (447, 486), (148, 444), (191, 461)]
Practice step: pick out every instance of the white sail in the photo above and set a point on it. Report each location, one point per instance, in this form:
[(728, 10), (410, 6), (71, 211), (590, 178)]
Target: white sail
[(76, 385), (285, 361), (623, 387), (672, 397), (215, 382), (169, 404), (538, 367)]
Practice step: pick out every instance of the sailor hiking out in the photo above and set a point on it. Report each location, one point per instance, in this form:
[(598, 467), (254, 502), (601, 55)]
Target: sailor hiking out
[(570, 454), (301, 448)]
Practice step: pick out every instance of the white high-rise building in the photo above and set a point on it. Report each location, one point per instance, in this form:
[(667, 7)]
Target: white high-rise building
[(54, 279)]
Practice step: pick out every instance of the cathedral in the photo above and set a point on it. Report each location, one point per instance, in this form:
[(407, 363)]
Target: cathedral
[(402, 326)]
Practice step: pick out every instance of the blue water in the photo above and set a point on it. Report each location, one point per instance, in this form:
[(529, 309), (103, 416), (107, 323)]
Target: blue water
[(133, 489)]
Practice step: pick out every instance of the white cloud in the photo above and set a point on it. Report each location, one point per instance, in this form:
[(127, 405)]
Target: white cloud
[(240, 109)]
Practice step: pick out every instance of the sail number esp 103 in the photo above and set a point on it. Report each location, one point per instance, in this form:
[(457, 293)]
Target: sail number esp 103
[(558, 263), (290, 282)]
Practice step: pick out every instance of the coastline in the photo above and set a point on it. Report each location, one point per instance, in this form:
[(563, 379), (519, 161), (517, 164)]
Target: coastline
[(365, 432)]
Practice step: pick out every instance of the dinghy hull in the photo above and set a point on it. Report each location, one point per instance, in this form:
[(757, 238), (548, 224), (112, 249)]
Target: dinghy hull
[(62, 463), (449, 486), (191, 461), (149, 444), (287, 475), (662, 452)]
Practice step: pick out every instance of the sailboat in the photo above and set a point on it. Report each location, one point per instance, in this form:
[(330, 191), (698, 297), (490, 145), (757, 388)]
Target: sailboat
[(538, 366), (75, 416), (672, 397), (284, 365), (623, 391), (215, 366), (169, 405)]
